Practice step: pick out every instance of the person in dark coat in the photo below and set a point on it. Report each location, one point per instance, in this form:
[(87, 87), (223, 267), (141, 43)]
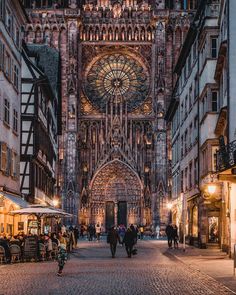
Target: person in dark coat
[(112, 239), (129, 241), (169, 233), (175, 236)]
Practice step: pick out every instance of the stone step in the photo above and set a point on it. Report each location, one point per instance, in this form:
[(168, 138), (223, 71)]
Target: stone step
[(213, 246)]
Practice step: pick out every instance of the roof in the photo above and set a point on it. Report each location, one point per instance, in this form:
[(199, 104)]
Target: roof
[(49, 62)]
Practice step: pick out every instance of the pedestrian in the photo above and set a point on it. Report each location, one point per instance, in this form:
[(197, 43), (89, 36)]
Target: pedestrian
[(175, 236), (98, 231), (112, 239), (129, 241), (158, 231), (90, 232), (76, 235), (169, 233), (141, 229), (122, 231), (62, 253)]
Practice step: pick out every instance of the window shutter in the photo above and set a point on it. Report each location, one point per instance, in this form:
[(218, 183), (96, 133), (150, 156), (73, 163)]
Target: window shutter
[(12, 162), (8, 171), (4, 157)]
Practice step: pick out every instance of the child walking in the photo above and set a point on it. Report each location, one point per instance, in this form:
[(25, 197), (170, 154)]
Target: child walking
[(62, 255)]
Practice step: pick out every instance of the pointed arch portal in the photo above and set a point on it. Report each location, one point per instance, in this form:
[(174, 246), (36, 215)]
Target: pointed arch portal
[(116, 195)]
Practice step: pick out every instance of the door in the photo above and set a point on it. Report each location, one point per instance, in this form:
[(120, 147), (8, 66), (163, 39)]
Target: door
[(213, 230), (122, 213), (110, 216)]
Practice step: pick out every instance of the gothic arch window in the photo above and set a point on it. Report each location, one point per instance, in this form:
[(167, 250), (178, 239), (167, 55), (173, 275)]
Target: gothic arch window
[(110, 34), (149, 33), (123, 34), (136, 34)]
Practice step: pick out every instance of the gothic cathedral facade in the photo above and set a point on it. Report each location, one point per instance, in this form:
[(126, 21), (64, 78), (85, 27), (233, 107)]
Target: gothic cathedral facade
[(117, 60)]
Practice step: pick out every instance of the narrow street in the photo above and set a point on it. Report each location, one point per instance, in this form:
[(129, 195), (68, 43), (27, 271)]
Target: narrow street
[(91, 271)]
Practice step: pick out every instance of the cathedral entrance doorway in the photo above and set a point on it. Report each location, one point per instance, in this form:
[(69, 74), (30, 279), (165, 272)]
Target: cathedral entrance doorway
[(116, 195), (110, 214), (122, 213)]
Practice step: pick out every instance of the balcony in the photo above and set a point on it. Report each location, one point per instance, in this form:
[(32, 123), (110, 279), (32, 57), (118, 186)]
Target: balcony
[(226, 157)]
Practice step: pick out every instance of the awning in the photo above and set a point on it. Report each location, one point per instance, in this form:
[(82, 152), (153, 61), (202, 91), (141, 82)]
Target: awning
[(15, 199)]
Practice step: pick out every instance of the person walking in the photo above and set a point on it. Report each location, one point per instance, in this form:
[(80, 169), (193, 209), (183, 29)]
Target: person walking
[(112, 239), (62, 254), (90, 232), (175, 236), (169, 233), (129, 241), (98, 231)]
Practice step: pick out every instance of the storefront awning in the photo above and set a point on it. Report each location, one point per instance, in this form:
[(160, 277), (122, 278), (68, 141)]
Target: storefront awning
[(15, 199)]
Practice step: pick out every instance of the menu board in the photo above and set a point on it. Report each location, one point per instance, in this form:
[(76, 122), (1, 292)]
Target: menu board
[(31, 248)]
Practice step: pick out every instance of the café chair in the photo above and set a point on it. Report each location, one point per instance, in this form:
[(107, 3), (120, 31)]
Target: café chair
[(15, 253), (2, 255), (42, 251)]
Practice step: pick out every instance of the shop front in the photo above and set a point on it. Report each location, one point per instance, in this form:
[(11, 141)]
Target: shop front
[(9, 224)]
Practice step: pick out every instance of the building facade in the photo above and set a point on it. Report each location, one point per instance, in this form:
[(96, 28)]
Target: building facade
[(117, 60), (225, 126), (206, 209), (40, 117), (12, 19)]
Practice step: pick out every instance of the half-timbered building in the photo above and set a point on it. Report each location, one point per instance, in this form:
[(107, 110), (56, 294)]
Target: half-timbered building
[(40, 110)]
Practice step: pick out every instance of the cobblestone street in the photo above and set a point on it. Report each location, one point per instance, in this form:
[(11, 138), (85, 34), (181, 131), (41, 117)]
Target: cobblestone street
[(90, 271)]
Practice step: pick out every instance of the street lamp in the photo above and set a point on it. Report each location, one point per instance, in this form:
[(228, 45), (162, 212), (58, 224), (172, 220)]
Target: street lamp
[(55, 202), (211, 188), (169, 205)]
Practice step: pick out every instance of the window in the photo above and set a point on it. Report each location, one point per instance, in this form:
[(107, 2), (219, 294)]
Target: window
[(214, 101), (6, 111), (15, 120), (195, 87), (16, 77), (196, 171), (186, 106), (190, 97), (194, 51), (213, 47), (2, 9), (190, 175), (2, 53), (7, 65), (182, 181), (186, 178), (190, 133)]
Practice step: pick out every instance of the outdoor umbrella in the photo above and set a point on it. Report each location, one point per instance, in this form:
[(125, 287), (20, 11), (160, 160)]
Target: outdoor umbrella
[(41, 211)]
